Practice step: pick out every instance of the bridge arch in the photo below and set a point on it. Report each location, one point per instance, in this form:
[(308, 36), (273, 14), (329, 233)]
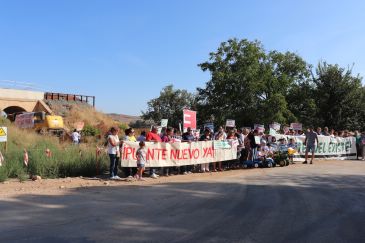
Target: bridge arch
[(10, 110)]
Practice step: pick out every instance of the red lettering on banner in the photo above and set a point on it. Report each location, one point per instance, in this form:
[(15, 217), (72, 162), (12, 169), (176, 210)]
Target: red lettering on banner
[(208, 152), (150, 154), (174, 154), (164, 153), (190, 153), (127, 151), (185, 153), (196, 153)]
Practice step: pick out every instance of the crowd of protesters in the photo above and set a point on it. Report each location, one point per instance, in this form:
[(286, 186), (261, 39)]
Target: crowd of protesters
[(249, 148)]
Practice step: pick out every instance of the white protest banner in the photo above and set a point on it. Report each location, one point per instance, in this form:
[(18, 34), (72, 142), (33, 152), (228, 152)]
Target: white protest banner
[(260, 128), (189, 119), (164, 122), (296, 126), (176, 154), (327, 148), (25, 120), (221, 144), (276, 126), (3, 134), (230, 123), (272, 132)]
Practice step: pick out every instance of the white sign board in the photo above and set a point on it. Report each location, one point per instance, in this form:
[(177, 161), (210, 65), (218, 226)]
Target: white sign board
[(275, 126), (296, 126), (230, 123), (164, 122)]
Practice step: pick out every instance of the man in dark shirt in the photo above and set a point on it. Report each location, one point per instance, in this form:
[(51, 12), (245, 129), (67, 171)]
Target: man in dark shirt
[(310, 142), (253, 145), (188, 137)]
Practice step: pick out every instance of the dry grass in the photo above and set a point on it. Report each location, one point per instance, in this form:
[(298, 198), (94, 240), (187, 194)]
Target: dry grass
[(74, 112), (66, 160)]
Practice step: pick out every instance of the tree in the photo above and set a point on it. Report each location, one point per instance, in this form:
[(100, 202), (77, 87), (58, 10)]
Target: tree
[(249, 84), (169, 105), (339, 96)]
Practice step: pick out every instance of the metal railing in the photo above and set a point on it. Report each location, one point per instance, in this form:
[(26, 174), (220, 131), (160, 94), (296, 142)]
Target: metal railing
[(70, 97)]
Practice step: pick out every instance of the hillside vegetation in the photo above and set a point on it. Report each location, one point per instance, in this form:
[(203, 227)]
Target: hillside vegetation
[(67, 159)]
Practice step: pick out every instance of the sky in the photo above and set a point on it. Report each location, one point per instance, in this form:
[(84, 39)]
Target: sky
[(125, 52)]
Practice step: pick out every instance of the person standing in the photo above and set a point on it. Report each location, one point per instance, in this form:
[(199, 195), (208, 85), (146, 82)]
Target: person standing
[(167, 138), (362, 145), (141, 160), (189, 138), (76, 137), (142, 137), (358, 144), (253, 145), (310, 142), (129, 172), (152, 136), (114, 153), (205, 137)]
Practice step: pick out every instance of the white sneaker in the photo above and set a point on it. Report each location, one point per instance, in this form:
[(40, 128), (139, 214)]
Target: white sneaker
[(116, 178), (185, 173), (154, 176), (130, 177), (112, 178)]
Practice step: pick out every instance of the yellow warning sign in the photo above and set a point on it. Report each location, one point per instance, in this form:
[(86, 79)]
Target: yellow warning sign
[(2, 132)]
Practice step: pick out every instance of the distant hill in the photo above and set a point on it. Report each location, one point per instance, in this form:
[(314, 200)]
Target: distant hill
[(124, 118)]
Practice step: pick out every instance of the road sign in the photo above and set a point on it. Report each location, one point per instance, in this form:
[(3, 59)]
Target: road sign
[(3, 134)]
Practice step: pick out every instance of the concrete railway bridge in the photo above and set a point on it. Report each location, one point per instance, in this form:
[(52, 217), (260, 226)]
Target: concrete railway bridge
[(13, 101)]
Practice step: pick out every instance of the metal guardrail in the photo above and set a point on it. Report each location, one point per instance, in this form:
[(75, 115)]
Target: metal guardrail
[(70, 97)]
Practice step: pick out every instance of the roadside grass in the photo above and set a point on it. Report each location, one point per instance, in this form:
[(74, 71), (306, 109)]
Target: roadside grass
[(67, 160)]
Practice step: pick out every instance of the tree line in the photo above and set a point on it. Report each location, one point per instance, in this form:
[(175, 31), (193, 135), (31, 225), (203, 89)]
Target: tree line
[(252, 85)]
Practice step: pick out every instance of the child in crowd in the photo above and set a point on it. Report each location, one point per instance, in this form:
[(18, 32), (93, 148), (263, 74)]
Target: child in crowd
[(263, 151), (293, 146), (272, 150), (283, 147), (141, 160)]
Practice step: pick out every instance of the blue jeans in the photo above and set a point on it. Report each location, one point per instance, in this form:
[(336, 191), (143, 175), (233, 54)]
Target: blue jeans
[(254, 154), (113, 165)]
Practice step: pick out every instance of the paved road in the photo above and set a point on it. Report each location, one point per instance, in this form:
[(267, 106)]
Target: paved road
[(324, 202)]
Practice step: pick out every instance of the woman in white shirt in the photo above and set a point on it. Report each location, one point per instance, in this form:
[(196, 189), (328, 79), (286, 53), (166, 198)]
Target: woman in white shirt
[(114, 153)]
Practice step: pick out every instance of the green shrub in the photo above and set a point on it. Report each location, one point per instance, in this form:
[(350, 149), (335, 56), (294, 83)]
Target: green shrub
[(3, 174), (123, 126), (90, 131)]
